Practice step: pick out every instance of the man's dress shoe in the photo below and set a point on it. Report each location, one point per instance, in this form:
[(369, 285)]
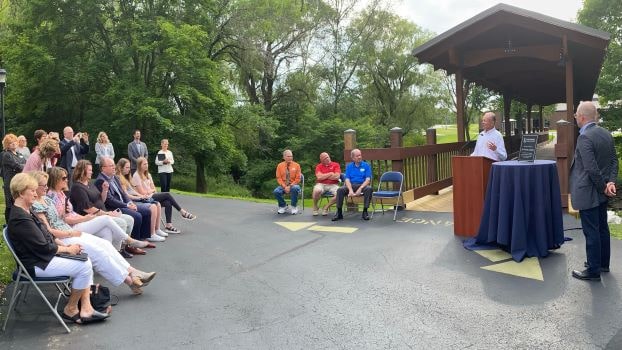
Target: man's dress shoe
[(602, 269), (365, 216), (585, 275), (337, 217)]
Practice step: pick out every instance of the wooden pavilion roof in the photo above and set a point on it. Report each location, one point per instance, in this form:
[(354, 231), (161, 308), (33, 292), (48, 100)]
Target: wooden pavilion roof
[(511, 50)]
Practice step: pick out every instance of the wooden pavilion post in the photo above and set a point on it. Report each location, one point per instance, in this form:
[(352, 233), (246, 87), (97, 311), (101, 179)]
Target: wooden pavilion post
[(460, 105), (541, 119), (564, 150), (507, 104), (529, 128)]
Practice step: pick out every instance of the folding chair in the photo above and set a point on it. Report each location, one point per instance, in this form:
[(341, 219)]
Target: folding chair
[(327, 194), (389, 178), (22, 278), (301, 197)]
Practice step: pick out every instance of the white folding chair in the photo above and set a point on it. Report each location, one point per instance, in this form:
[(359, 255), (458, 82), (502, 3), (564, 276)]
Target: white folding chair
[(389, 178), (22, 278)]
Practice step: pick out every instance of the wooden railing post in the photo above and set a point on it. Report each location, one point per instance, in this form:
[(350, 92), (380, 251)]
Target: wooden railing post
[(432, 177), (397, 141), (349, 143)]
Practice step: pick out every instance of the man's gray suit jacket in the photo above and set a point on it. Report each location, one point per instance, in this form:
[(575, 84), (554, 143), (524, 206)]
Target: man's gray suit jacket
[(133, 153), (594, 165)]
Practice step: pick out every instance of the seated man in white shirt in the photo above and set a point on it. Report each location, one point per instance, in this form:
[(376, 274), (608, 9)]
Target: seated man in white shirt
[(490, 141)]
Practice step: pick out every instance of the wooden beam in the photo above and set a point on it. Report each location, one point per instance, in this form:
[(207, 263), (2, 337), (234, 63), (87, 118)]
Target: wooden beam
[(542, 52)]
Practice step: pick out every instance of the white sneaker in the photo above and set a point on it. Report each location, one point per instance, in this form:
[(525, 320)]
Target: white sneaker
[(156, 238), (281, 210), (294, 210), (161, 233)]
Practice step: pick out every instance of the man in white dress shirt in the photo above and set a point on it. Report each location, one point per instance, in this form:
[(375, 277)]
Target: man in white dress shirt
[(490, 141)]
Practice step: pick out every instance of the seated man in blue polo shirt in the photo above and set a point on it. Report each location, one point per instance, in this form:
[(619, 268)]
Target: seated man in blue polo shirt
[(358, 178)]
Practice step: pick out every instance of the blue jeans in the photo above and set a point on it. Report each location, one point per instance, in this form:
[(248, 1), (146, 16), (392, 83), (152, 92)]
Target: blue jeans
[(294, 190), (597, 237)]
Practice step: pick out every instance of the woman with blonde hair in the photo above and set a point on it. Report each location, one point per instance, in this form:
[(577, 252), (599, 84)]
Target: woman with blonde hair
[(106, 260), (164, 160), (37, 249), (22, 146), (103, 147), (123, 172), (43, 157), (12, 164), (143, 183)]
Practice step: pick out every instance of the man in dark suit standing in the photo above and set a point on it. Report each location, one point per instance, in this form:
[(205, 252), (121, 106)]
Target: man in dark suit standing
[(72, 149), (592, 181), (136, 149)]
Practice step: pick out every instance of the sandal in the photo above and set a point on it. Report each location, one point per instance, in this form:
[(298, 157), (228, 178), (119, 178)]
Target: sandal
[(73, 319), (186, 215), (171, 229)]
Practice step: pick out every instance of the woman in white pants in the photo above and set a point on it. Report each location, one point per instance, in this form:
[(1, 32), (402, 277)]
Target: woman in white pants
[(106, 260), (37, 249), (101, 226)]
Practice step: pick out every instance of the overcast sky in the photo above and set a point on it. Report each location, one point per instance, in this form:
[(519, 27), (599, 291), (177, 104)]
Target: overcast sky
[(441, 15)]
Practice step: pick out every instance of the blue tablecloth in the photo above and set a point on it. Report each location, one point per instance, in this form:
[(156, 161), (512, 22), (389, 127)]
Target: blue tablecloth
[(522, 212)]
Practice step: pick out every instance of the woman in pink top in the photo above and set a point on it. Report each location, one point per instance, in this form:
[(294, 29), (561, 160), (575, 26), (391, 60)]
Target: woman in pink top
[(42, 158), (143, 183)]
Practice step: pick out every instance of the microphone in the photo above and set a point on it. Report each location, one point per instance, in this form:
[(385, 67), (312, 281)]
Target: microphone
[(465, 146)]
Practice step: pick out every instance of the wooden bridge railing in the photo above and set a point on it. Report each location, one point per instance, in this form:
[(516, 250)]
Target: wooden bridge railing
[(427, 169)]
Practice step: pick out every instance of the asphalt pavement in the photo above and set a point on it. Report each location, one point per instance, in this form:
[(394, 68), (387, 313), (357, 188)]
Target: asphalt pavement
[(243, 277)]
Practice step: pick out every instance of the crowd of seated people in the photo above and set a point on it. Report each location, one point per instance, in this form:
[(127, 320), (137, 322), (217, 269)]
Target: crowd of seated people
[(55, 206)]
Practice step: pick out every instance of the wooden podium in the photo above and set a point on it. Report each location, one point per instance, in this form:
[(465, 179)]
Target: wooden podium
[(470, 178)]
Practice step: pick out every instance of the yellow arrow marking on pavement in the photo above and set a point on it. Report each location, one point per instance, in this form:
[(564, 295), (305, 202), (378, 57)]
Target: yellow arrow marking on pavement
[(528, 268), (294, 226), (494, 255), (336, 229)]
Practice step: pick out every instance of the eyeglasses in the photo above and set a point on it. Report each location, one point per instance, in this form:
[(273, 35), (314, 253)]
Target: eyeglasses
[(44, 186), (64, 178)]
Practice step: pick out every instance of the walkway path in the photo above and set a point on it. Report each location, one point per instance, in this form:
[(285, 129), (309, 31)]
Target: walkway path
[(242, 277)]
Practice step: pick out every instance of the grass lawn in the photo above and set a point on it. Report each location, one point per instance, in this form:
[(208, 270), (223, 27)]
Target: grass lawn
[(449, 133), (7, 264)]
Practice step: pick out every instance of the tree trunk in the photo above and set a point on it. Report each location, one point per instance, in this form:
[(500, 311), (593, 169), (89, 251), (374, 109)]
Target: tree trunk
[(201, 183)]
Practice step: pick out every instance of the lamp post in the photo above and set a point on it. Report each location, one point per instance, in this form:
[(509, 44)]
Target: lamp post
[(2, 84)]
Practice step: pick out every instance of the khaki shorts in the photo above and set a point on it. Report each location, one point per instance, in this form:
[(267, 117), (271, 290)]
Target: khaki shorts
[(326, 188)]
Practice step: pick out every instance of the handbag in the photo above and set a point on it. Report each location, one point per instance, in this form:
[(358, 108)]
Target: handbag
[(101, 298), (149, 200), (79, 257)]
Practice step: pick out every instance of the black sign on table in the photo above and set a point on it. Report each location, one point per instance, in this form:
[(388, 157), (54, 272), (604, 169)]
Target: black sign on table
[(528, 146)]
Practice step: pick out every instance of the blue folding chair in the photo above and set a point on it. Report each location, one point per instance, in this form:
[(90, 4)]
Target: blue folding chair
[(388, 191), (22, 278)]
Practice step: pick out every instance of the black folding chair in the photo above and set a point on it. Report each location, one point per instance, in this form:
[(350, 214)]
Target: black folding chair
[(22, 278)]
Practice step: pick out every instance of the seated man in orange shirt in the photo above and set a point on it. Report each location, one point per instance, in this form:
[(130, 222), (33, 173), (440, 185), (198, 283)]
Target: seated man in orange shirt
[(288, 177), (327, 174)]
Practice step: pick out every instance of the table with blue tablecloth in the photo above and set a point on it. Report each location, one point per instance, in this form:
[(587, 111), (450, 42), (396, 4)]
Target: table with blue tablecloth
[(522, 210)]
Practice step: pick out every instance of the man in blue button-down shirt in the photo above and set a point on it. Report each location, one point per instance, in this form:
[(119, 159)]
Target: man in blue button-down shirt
[(358, 178)]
